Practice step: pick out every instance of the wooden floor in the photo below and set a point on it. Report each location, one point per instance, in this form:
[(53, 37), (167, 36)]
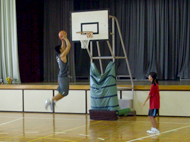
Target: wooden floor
[(47, 127)]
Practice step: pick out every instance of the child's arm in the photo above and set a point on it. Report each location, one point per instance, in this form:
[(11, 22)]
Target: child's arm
[(148, 97)]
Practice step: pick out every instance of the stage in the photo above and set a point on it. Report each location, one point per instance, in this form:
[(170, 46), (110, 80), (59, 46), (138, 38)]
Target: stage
[(30, 97), (183, 85)]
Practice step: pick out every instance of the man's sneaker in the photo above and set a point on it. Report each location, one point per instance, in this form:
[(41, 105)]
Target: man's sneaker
[(153, 131), (52, 105), (47, 103)]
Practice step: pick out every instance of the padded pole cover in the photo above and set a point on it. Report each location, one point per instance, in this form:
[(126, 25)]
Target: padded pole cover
[(103, 89)]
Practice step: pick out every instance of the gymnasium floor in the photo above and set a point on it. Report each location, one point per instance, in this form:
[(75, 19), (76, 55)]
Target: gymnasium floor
[(48, 127)]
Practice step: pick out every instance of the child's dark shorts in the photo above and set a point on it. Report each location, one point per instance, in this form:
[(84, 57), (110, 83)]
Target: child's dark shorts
[(153, 112)]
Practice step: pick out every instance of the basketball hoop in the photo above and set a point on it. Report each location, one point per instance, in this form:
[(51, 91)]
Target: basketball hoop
[(85, 37)]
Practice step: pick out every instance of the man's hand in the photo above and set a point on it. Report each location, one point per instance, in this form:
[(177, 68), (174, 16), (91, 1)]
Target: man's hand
[(62, 35)]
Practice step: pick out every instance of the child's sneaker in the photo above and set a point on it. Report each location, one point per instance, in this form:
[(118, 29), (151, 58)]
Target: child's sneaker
[(153, 131), (150, 129)]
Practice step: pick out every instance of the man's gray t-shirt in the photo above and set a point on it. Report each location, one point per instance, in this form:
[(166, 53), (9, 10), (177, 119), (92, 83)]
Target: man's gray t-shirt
[(63, 67), (63, 79)]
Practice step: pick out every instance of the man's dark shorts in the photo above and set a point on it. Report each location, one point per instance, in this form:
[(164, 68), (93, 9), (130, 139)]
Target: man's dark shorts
[(63, 87)]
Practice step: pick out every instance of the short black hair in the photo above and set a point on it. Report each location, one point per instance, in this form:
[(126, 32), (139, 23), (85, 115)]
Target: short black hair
[(57, 49)]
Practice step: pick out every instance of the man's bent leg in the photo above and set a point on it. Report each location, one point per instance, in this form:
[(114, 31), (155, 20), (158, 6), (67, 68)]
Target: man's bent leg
[(52, 102), (57, 97)]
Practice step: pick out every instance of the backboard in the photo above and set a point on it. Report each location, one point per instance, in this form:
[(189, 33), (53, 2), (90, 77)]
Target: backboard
[(96, 21)]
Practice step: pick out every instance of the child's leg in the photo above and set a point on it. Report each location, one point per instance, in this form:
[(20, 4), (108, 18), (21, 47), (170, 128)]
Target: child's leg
[(153, 122), (151, 115)]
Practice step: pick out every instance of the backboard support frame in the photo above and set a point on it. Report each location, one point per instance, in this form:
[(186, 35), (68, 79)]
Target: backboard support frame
[(112, 49)]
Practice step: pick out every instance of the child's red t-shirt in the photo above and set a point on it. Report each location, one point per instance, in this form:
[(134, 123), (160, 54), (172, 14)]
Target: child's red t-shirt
[(155, 97)]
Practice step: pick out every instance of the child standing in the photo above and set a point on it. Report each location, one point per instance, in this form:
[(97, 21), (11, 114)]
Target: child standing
[(154, 102)]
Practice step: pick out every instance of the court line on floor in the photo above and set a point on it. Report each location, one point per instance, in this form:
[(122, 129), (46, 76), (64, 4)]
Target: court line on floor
[(101, 139), (149, 122), (164, 136), (10, 121), (42, 118), (141, 138), (61, 132), (4, 133), (10, 116), (31, 132), (84, 135), (83, 119), (62, 139)]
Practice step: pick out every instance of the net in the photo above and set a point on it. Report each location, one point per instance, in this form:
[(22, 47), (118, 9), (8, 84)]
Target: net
[(85, 37)]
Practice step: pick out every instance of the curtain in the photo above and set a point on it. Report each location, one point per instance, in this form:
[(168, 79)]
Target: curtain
[(30, 39), (184, 42), (9, 66), (155, 33), (56, 18), (156, 37)]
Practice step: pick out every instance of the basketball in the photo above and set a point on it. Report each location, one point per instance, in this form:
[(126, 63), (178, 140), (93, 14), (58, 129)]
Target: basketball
[(62, 34)]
